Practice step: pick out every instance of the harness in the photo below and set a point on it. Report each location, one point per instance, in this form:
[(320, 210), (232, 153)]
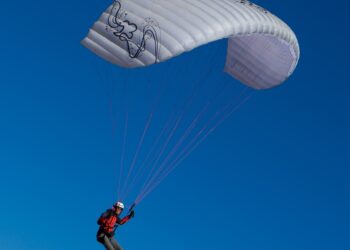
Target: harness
[(108, 222)]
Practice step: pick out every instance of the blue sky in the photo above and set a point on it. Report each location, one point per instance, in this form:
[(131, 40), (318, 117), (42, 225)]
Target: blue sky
[(273, 176)]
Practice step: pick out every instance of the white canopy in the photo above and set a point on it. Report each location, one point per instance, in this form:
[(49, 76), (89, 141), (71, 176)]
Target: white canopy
[(262, 50)]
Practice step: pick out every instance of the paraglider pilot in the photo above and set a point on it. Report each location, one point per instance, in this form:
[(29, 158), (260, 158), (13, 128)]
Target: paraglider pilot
[(108, 222)]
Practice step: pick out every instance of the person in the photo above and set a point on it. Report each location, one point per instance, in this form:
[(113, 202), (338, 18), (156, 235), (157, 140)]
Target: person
[(108, 222)]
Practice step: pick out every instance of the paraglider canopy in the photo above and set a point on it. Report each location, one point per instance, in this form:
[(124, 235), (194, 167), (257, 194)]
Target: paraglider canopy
[(262, 50)]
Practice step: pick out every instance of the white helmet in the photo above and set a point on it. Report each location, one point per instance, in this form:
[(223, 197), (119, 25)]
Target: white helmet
[(119, 204)]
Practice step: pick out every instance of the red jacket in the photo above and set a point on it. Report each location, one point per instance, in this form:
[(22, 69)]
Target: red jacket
[(108, 221)]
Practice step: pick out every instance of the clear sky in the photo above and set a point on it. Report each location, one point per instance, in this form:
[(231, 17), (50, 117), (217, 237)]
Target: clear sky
[(274, 176)]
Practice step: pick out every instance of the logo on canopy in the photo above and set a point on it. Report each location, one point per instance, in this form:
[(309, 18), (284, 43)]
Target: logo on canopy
[(137, 38)]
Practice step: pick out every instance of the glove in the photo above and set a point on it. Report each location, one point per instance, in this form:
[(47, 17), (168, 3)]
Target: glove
[(132, 214)]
